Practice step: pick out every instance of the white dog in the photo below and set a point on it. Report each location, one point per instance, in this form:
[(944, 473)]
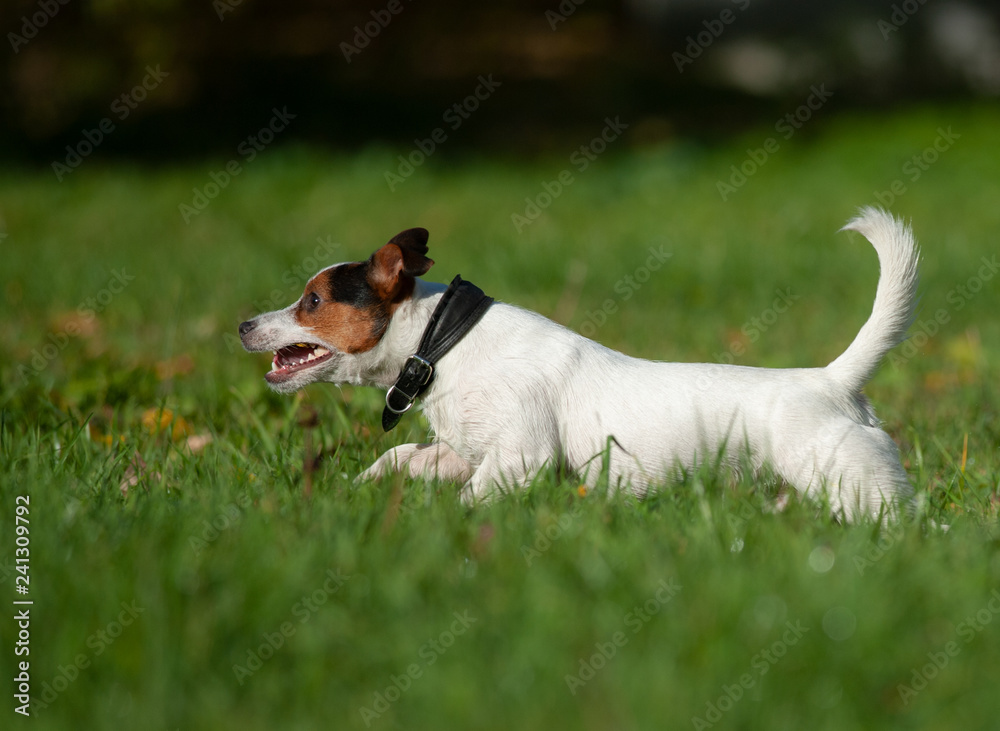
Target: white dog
[(508, 392)]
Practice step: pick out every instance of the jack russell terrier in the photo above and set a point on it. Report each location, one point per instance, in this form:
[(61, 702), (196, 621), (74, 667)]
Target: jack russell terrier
[(508, 392)]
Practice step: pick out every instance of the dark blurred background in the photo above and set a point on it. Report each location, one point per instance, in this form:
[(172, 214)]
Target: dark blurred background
[(385, 71)]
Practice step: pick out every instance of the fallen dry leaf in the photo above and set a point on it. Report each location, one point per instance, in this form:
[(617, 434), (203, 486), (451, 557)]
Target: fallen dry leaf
[(157, 420)]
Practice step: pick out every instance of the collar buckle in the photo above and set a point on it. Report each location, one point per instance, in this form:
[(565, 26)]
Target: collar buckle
[(416, 374)]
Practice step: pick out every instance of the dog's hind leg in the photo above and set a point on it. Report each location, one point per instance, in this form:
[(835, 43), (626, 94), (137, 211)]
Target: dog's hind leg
[(855, 467), (432, 461), (883, 488)]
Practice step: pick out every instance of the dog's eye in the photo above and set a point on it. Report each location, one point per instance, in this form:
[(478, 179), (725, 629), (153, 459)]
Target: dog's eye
[(312, 301)]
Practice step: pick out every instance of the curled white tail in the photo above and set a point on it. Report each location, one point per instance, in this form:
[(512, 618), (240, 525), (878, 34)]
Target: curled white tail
[(895, 297)]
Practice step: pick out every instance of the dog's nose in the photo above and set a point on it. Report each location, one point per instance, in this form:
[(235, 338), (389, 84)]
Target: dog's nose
[(247, 326)]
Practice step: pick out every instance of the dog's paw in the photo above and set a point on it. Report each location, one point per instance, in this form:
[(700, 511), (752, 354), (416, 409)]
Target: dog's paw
[(375, 472), (479, 493)]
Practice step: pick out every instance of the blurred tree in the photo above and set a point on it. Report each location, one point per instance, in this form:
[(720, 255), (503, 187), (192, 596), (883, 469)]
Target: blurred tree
[(197, 76)]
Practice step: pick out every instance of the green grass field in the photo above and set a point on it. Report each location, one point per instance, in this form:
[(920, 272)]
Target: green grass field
[(182, 579)]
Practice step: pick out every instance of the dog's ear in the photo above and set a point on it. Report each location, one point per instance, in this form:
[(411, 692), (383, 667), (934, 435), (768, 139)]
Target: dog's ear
[(413, 244), (404, 257)]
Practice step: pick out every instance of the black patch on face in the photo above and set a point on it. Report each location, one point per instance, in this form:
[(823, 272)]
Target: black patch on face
[(349, 284), (380, 323)]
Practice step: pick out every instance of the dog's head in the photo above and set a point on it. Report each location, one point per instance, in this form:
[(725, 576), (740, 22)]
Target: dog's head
[(343, 312)]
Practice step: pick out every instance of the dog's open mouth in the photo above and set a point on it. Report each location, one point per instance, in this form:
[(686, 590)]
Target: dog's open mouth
[(294, 358)]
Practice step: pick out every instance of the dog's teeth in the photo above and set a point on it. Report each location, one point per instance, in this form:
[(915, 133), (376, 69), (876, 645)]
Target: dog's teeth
[(316, 352)]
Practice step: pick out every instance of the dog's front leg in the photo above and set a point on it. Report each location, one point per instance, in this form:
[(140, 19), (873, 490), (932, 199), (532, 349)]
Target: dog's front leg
[(431, 461), (493, 477), (482, 487)]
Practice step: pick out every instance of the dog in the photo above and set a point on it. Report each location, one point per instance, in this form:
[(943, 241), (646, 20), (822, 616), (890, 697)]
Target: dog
[(518, 393)]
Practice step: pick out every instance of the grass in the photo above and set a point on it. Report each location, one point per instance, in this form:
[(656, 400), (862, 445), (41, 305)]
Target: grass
[(181, 578)]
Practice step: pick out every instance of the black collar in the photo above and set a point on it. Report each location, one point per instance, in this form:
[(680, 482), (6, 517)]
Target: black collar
[(456, 313)]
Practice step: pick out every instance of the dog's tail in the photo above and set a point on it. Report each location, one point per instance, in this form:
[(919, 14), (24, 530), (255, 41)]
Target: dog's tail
[(895, 297)]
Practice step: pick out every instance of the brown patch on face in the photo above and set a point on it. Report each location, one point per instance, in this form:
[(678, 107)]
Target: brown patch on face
[(344, 327), (349, 306), (343, 309)]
